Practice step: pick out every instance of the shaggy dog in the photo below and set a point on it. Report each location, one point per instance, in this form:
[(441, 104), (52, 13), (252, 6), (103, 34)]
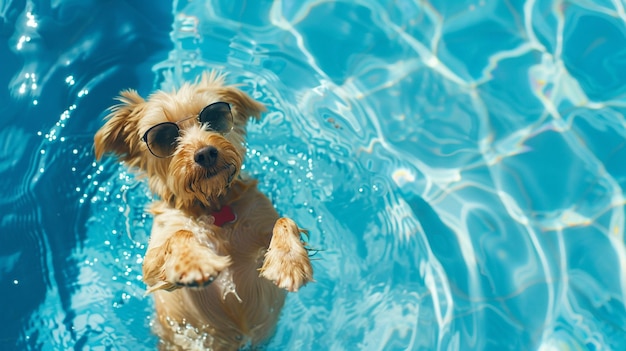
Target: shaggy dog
[(220, 259)]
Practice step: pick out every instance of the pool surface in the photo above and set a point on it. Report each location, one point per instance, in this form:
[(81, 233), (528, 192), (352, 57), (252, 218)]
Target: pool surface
[(460, 166)]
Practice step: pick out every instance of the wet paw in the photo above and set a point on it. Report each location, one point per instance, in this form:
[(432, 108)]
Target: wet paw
[(287, 262), (194, 266)]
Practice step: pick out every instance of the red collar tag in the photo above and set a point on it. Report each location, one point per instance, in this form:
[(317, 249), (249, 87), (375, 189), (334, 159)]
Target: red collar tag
[(224, 215)]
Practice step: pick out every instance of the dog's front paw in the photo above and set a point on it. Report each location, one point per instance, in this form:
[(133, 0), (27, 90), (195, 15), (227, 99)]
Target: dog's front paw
[(287, 262), (194, 265), (185, 262)]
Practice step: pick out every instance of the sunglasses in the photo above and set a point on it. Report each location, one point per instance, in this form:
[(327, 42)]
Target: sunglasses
[(162, 138)]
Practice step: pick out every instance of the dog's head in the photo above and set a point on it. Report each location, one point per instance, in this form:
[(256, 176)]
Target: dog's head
[(189, 143)]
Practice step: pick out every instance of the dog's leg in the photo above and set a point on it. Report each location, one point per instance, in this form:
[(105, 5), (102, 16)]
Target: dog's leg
[(181, 261), (287, 261)]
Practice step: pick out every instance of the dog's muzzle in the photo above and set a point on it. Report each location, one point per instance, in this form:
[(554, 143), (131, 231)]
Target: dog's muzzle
[(206, 157)]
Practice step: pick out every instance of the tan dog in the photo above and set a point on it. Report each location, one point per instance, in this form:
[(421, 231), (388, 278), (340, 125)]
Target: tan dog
[(219, 256)]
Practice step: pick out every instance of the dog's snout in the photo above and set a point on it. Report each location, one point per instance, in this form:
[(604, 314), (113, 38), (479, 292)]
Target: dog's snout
[(206, 156)]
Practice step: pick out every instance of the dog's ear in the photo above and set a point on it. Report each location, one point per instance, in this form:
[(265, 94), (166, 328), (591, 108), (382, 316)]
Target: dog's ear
[(119, 134), (245, 106)]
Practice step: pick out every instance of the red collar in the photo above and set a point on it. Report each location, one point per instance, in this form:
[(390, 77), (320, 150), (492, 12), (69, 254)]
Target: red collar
[(224, 215)]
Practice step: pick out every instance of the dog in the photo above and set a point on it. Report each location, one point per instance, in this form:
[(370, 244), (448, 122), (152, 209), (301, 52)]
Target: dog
[(220, 260)]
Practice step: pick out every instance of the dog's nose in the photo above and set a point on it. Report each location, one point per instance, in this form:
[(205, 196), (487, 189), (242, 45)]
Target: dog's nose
[(206, 156)]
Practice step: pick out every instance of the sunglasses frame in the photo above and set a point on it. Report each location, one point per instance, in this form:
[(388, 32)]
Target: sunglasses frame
[(144, 138)]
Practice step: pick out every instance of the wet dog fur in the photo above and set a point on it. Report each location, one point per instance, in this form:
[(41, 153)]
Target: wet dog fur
[(214, 287)]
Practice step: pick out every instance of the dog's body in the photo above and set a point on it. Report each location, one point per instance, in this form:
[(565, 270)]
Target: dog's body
[(219, 258)]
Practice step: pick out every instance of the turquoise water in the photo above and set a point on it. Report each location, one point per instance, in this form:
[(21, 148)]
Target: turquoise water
[(459, 164)]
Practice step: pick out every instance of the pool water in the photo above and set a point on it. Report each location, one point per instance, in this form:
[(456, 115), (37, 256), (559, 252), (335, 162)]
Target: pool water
[(460, 166)]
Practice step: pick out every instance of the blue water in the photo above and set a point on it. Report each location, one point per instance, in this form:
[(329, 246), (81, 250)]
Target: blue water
[(460, 166)]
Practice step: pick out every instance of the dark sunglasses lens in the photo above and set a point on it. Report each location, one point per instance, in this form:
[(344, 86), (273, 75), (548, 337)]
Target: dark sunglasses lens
[(161, 139), (217, 117)]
